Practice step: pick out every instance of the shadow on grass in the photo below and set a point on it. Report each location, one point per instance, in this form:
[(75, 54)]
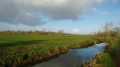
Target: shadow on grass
[(19, 43)]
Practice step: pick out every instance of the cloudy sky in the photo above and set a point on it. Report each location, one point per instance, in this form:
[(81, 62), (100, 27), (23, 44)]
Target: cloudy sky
[(73, 16)]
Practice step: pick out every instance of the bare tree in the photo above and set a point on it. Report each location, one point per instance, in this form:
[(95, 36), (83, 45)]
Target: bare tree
[(107, 27)]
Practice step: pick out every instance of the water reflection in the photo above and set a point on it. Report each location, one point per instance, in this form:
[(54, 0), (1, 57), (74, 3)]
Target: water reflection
[(74, 57)]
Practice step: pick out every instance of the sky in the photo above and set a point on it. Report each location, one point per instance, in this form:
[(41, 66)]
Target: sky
[(72, 16)]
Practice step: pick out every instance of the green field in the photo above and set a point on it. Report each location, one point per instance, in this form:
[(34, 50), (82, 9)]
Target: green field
[(20, 49), (45, 41)]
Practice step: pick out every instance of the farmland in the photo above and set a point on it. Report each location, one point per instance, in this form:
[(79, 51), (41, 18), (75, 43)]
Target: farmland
[(20, 49)]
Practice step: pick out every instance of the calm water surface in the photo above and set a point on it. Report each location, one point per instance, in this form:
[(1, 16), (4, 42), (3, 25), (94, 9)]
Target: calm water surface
[(75, 57)]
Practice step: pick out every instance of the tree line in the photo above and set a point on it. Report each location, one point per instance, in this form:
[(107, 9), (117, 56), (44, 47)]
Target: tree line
[(60, 32)]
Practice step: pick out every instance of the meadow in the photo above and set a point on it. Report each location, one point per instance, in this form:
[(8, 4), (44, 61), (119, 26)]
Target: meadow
[(21, 49)]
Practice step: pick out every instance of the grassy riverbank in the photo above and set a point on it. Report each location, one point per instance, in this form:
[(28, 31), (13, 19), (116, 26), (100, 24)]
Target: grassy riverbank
[(107, 58), (16, 50)]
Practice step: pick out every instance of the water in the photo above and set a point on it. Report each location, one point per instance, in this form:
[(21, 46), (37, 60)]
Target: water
[(75, 57)]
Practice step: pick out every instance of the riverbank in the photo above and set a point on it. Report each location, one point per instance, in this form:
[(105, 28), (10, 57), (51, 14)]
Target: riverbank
[(107, 58), (19, 50)]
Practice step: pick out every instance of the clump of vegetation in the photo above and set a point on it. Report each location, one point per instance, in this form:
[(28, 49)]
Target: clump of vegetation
[(107, 58)]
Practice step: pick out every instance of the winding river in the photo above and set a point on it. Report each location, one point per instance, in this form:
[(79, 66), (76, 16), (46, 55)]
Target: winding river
[(74, 57)]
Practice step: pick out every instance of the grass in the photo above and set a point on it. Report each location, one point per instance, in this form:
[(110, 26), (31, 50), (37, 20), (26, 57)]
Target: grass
[(19, 49), (109, 56)]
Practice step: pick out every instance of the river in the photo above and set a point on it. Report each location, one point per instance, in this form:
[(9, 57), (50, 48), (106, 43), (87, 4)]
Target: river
[(74, 57)]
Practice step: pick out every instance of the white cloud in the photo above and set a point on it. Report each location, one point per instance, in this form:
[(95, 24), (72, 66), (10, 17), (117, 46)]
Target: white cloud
[(91, 10), (94, 10), (104, 13), (22, 11), (76, 30), (64, 9), (14, 12)]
